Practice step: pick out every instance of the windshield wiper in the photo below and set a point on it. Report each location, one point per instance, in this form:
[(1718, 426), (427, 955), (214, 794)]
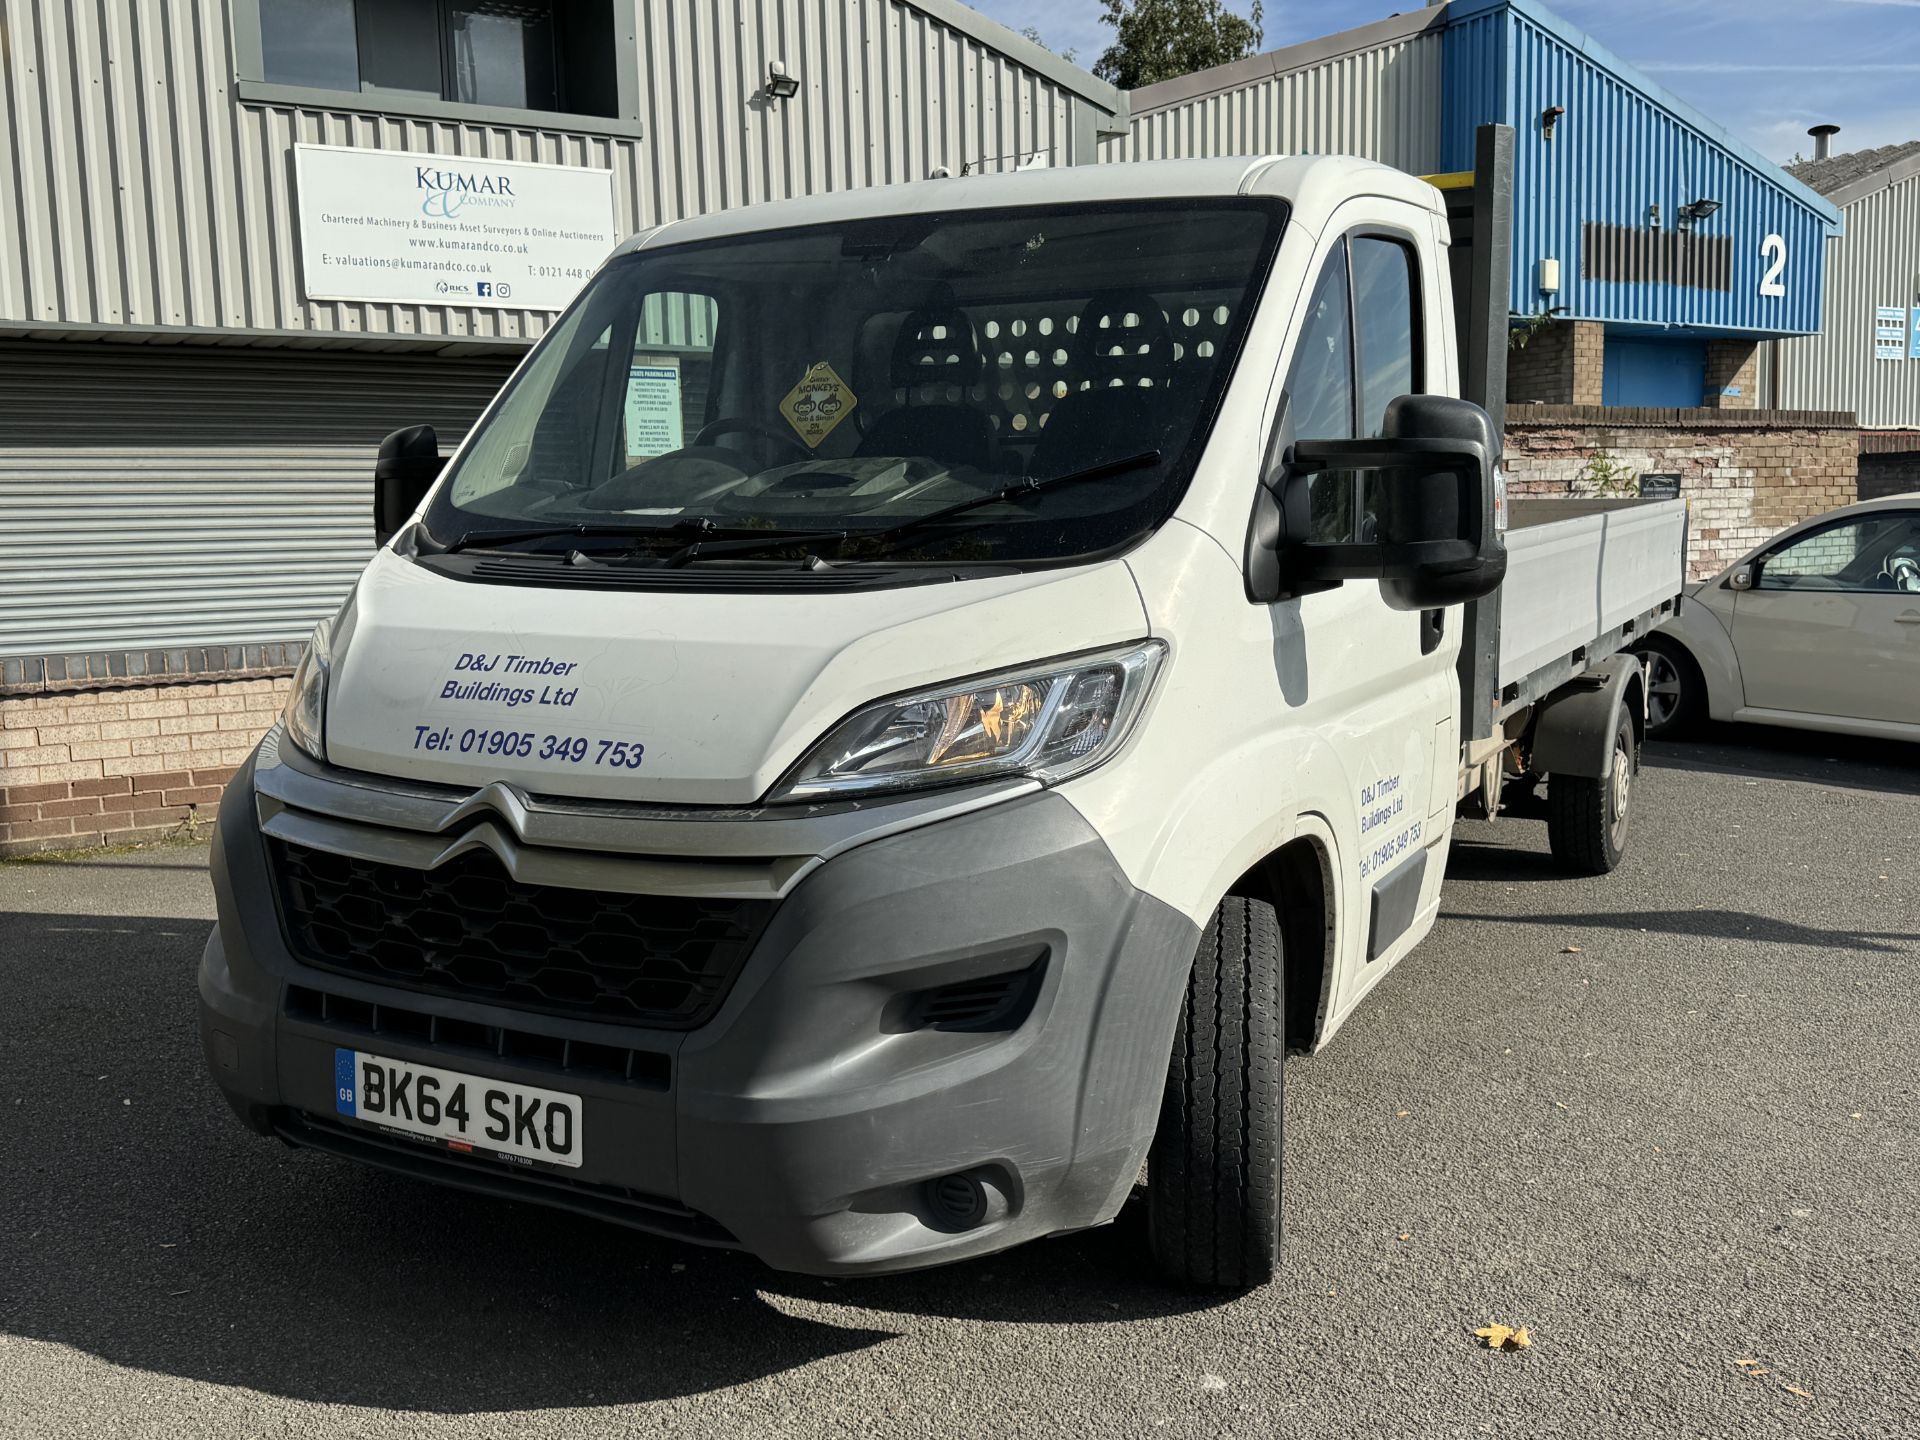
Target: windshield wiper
[(580, 529), (1018, 490)]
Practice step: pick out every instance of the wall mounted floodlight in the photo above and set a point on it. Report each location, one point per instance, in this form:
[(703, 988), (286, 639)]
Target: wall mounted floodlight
[(1653, 216), (780, 85), (1695, 211), (1550, 117)]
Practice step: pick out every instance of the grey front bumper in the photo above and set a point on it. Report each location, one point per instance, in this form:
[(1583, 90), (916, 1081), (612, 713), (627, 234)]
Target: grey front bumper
[(806, 1119)]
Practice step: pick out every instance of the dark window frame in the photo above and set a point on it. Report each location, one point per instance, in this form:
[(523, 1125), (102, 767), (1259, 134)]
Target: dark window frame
[(252, 86)]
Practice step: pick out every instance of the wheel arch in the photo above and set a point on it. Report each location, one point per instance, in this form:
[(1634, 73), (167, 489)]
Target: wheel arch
[(1297, 879)]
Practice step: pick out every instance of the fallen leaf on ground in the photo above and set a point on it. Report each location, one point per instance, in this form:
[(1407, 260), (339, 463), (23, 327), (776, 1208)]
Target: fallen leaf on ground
[(1406, 1235), (1504, 1337), (1401, 1114), (1569, 949), (1796, 1390)]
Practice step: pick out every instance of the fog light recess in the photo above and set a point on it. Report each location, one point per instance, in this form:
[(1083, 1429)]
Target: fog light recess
[(958, 1202)]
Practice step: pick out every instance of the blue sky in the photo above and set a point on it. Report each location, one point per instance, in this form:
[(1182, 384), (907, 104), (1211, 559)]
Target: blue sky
[(1766, 69)]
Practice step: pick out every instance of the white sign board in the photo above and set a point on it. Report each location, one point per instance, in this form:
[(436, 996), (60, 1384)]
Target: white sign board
[(653, 408), (1890, 332), (411, 229)]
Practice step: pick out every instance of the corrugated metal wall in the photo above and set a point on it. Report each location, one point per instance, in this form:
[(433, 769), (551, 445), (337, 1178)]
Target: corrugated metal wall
[(169, 496), (1616, 151), (1876, 263), (1381, 102), (185, 496), (149, 195)]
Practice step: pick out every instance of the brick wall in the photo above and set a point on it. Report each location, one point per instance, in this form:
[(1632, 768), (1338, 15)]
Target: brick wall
[(1732, 365), (92, 767), (1562, 363), (1746, 474)]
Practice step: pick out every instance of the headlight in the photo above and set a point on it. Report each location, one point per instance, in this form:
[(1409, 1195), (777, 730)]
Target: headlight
[(306, 712), (1048, 721)]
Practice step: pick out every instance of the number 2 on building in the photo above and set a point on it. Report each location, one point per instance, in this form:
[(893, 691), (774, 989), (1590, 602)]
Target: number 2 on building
[(1773, 249)]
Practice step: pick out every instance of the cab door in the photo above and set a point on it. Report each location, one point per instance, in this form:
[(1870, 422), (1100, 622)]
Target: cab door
[(1831, 626), (1382, 678)]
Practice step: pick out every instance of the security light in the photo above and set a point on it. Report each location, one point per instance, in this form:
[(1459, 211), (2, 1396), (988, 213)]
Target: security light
[(1695, 211), (780, 85)]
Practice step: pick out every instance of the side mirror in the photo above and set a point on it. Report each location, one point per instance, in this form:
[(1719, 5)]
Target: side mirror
[(1743, 578), (409, 463), (1413, 509)]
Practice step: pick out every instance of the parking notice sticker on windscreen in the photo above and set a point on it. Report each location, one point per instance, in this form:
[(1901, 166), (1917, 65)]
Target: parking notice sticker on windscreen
[(818, 403)]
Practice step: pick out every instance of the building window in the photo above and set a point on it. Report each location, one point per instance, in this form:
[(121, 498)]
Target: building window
[(551, 55)]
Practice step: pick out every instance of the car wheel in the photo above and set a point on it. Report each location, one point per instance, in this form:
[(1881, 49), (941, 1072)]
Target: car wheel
[(1587, 819), (1676, 690), (1213, 1175)]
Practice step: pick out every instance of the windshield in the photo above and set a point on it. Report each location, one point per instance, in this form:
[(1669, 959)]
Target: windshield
[(835, 382)]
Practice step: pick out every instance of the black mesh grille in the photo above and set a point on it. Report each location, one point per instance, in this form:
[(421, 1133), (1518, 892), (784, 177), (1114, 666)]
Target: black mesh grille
[(469, 930)]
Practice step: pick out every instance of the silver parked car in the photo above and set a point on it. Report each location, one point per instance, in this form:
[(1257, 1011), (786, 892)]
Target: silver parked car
[(1818, 629)]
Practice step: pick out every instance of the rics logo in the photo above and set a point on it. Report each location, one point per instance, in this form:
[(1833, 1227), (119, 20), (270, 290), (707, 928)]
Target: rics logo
[(448, 192)]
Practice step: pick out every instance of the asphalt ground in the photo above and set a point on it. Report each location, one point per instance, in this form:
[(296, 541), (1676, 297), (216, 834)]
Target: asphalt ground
[(1664, 1120)]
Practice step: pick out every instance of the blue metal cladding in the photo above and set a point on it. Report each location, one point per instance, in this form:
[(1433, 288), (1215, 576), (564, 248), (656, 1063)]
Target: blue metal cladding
[(1622, 146)]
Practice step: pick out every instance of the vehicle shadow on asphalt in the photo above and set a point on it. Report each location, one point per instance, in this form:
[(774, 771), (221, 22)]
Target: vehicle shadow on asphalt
[(1714, 924), (1765, 752), (159, 1235)]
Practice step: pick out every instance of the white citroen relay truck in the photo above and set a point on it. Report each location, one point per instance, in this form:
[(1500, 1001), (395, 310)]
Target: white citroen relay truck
[(905, 708)]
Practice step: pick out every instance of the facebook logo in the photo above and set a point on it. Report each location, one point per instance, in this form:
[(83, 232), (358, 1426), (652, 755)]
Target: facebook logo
[(485, 287)]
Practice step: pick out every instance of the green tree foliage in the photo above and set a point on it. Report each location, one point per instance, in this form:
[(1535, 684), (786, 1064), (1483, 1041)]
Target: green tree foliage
[(1160, 39)]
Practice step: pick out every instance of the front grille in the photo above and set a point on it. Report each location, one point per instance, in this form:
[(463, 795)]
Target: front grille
[(459, 1039), (469, 930)]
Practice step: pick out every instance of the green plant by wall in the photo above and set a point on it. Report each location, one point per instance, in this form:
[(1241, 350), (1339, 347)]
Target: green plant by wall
[(1604, 477), (1523, 328)]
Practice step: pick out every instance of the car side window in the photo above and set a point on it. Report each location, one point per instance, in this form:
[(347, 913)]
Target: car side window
[(1868, 553), (1385, 324), (1358, 350), (1320, 392)]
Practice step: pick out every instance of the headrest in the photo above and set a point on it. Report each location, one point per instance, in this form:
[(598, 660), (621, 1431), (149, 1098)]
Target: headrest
[(1123, 335), (936, 347)]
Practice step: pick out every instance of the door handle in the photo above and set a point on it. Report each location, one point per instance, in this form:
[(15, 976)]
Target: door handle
[(1910, 617)]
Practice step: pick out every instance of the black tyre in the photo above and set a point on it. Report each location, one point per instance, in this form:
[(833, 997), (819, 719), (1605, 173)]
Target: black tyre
[(1676, 690), (1587, 819), (1213, 1176)]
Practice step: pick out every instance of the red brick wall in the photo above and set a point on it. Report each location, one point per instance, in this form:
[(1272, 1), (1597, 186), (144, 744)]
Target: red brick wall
[(112, 766), (1746, 474)]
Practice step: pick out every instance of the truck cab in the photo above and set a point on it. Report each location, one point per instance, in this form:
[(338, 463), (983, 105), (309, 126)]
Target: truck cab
[(905, 708)]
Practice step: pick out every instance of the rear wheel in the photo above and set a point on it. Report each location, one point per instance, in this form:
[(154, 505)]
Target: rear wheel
[(1676, 690), (1213, 1176), (1587, 818)]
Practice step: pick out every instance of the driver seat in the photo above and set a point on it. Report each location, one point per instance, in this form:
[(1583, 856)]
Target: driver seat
[(934, 348)]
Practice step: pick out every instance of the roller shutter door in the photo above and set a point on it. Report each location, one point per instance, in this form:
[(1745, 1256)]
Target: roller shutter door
[(162, 496)]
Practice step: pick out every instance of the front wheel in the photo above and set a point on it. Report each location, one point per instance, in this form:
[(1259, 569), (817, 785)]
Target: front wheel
[(1213, 1175), (1587, 818), (1676, 690)]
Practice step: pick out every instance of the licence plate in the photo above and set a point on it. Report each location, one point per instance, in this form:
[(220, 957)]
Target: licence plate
[(465, 1113)]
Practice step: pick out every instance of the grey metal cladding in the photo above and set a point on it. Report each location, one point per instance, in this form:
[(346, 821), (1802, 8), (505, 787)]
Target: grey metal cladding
[(1628, 254), (141, 189), (165, 496), (1373, 92)]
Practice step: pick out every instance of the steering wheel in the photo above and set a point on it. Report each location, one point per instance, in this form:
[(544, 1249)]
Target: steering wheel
[(1904, 571), (741, 425)]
